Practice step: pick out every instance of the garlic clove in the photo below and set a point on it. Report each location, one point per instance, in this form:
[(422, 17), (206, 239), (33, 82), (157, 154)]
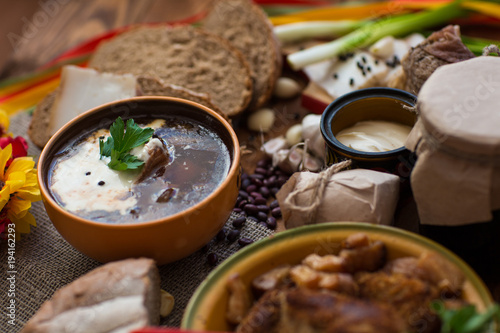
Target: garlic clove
[(272, 146), (167, 303), (261, 120), (286, 88), (294, 134), (311, 163)]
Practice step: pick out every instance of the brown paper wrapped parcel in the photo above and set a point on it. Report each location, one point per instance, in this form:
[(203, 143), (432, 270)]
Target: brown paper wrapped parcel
[(356, 195), (456, 179)]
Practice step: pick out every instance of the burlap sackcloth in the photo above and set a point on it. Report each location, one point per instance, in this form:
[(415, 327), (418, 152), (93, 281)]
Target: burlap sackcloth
[(45, 262)]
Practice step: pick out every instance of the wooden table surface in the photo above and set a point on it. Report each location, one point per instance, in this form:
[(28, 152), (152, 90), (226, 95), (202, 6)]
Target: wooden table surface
[(33, 32)]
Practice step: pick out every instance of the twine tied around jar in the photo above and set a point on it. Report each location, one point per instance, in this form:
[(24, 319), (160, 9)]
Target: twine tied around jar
[(318, 186)]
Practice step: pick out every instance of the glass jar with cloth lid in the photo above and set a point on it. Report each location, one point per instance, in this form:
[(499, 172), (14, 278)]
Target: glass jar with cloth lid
[(456, 178)]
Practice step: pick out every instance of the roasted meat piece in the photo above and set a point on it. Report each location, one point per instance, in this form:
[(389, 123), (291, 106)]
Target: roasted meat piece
[(308, 311), (432, 268), (239, 300), (440, 48), (306, 277), (264, 316), (326, 263), (364, 258), (302, 310), (358, 253), (158, 157), (275, 278), (410, 297)]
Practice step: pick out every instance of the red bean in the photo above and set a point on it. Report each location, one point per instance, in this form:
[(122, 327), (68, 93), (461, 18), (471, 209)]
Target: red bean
[(245, 183), (251, 188), (276, 212), (245, 241), (274, 204), (221, 235), (233, 235), (239, 221), (212, 259), (264, 224), (257, 176), (262, 216), (274, 191), (272, 180), (251, 209), (263, 208), (260, 201), (242, 204), (253, 219), (271, 223), (256, 195), (261, 171), (265, 192), (258, 182)]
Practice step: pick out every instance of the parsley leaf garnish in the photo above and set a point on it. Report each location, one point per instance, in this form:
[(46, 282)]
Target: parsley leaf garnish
[(466, 319), (121, 141)]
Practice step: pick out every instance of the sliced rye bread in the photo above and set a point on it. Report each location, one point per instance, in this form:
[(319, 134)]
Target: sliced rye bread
[(247, 27), (38, 129), (184, 56)]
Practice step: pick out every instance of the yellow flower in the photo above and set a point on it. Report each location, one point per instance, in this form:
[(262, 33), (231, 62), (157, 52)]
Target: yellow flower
[(4, 123), (19, 188)]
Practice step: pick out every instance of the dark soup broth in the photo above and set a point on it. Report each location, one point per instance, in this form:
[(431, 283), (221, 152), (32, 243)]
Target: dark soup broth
[(195, 162)]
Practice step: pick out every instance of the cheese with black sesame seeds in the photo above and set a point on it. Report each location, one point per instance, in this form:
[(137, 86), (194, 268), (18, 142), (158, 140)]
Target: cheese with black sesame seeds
[(339, 77)]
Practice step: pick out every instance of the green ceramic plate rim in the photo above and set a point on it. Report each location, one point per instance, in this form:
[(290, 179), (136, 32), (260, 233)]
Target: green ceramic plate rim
[(192, 307)]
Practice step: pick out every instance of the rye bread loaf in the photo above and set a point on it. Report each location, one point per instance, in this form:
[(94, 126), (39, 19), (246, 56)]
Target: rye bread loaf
[(247, 27), (38, 129), (117, 297), (184, 56)]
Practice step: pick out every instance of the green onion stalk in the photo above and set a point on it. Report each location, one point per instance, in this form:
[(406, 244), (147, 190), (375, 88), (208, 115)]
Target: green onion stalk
[(293, 32), (372, 31)]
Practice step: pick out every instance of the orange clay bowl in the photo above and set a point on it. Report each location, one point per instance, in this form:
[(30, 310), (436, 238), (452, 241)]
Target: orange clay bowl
[(165, 239), (207, 308)]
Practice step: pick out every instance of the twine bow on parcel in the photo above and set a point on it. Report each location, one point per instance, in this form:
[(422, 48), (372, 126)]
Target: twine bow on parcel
[(318, 186)]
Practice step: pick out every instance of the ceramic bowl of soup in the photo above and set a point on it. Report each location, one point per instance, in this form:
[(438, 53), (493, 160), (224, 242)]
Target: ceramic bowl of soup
[(168, 207)]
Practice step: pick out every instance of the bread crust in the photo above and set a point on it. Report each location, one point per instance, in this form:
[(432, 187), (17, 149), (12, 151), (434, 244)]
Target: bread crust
[(38, 130), (215, 22), (176, 55)]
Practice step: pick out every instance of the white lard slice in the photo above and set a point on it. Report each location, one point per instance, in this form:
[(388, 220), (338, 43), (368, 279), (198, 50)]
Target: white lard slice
[(82, 89)]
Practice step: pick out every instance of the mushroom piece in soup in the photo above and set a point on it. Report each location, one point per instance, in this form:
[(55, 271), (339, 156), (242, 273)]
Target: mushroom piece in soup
[(184, 161)]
